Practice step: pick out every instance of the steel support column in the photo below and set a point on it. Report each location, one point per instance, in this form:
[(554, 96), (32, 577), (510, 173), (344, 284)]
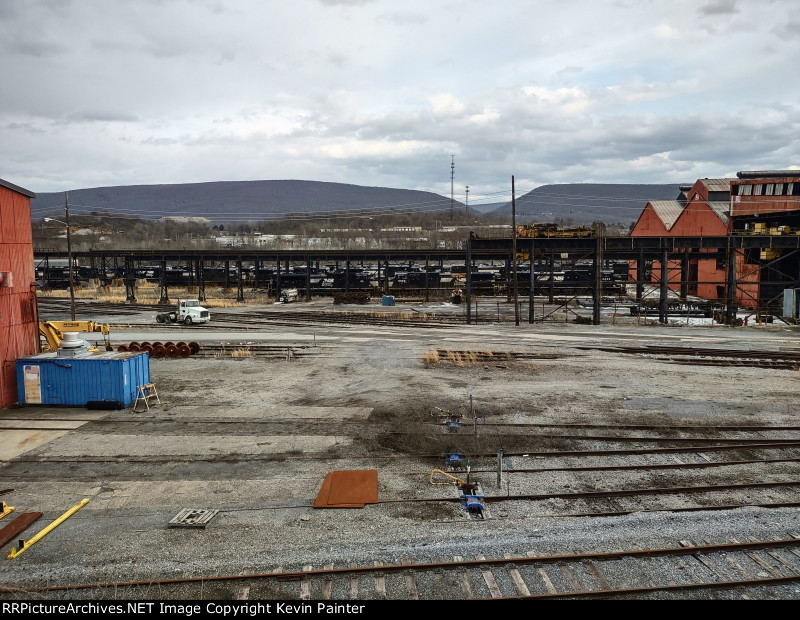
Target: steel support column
[(640, 276), (308, 280), (731, 309), (468, 292), (162, 283), (239, 284), (685, 275), (427, 285), (278, 280), (130, 281), (201, 279), (663, 296), (532, 291), (598, 276)]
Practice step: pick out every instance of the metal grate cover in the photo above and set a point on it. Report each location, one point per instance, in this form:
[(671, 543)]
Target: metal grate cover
[(192, 517)]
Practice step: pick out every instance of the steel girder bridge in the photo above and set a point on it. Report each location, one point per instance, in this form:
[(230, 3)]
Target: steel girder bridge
[(535, 256)]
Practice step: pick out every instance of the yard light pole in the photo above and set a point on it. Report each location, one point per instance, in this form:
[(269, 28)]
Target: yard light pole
[(69, 261)]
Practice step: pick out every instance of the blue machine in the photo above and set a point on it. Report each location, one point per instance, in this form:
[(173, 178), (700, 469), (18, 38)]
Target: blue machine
[(473, 504), (453, 424), (454, 460), (387, 300)]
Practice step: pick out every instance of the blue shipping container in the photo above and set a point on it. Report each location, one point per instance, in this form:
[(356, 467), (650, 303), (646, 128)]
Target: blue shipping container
[(387, 300), (47, 379)]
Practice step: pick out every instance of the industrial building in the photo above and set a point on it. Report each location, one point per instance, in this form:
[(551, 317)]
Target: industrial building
[(755, 203), (19, 335)]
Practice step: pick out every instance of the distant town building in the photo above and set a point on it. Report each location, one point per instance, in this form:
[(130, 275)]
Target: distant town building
[(185, 219)]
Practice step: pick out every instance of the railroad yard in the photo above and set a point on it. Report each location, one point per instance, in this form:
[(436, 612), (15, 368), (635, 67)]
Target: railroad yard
[(638, 460)]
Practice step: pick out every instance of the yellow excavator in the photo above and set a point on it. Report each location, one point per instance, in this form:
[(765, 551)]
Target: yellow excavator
[(53, 332)]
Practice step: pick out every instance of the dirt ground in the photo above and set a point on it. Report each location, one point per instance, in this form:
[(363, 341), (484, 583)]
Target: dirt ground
[(254, 438)]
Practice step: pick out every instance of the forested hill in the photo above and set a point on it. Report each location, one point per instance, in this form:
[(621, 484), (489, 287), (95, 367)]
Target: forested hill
[(588, 202), (237, 201)]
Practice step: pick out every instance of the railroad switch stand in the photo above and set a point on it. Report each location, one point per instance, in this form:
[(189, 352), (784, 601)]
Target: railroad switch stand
[(453, 423), (473, 504), (454, 460), (468, 488)]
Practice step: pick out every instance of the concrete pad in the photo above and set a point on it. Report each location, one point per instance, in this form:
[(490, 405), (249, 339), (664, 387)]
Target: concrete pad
[(57, 497), (78, 414), (50, 425), (185, 445), (15, 443)]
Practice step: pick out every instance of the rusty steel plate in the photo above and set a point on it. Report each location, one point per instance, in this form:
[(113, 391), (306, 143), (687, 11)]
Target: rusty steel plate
[(17, 526), (348, 489)]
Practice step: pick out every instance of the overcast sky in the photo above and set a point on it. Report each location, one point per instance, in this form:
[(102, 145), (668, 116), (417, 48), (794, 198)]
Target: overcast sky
[(383, 92)]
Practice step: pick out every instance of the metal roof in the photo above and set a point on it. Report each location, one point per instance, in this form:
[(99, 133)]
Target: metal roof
[(767, 174), (668, 211), (17, 188), (722, 209), (717, 185)]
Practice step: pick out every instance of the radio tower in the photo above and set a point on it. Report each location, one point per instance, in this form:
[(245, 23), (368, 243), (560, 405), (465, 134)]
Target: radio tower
[(452, 178)]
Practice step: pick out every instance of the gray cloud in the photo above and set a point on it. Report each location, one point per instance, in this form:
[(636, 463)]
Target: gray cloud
[(788, 30), (719, 7), (344, 2), (402, 18), (180, 91)]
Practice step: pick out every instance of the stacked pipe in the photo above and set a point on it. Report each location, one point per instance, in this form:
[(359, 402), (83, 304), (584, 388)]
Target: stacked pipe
[(161, 349)]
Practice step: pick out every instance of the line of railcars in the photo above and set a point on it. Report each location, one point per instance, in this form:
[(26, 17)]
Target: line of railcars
[(486, 278)]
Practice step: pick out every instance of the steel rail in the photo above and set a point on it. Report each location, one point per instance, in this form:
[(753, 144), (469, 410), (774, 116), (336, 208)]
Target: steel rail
[(394, 568), (611, 593), (638, 467), (177, 424), (611, 493), (283, 457), (204, 420), (645, 427), (368, 422), (622, 513)]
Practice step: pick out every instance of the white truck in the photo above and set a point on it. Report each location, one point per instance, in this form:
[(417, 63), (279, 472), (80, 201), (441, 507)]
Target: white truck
[(188, 311)]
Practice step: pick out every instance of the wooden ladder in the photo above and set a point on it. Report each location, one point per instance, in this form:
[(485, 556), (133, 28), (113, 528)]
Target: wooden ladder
[(144, 393)]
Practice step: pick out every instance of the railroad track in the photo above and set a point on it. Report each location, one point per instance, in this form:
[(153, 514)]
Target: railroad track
[(287, 352), (748, 568), (323, 427), (536, 454), (286, 316), (778, 360)]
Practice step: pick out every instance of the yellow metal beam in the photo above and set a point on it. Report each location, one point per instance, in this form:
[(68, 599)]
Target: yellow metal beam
[(28, 543), (5, 509)]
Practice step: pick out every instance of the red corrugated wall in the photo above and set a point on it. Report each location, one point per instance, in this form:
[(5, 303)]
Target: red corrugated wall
[(18, 321)]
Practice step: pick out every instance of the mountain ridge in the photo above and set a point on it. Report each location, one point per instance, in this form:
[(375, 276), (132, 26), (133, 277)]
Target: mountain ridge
[(226, 202)]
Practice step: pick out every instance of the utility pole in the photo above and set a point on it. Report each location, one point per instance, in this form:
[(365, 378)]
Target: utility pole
[(514, 251), (452, 179), (69, 260)]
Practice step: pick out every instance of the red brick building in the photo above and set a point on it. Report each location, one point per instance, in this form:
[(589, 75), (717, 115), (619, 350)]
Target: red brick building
[(757, 203), (19, 333), (700, 210)]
